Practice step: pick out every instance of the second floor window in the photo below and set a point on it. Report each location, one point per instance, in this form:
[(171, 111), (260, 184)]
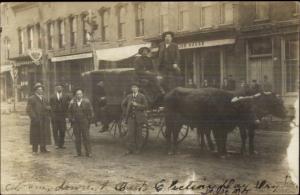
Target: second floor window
[(86, 35), (39, 36), (262, 10), (50, 32), (163, 17), (61, 33), (30, 37), (21, 41), (207, 16), (226, 13), (73, 31), (139, 19), (104, 25), (183, 17), (6, 48), (121, 22)]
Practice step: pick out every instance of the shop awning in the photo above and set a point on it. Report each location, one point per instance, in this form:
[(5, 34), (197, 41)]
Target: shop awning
[(5, 68), (71, 57), (119, 53)]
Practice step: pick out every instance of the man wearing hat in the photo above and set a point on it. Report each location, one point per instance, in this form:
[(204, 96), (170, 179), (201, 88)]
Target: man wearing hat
[(168, 60), (145, 70), (39, 113), (59, 106), (134, 106), (81, 115)]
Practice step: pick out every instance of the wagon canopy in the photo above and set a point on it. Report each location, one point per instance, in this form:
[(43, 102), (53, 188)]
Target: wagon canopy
[(119, 53), (116, 83)]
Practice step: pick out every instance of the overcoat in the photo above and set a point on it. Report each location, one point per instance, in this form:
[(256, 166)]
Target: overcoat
[(168, 56), (142, 105), (39, 113)]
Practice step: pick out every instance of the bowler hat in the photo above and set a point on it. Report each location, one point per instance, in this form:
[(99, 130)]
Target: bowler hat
[(144, 48), (37, 85), (168, 33)]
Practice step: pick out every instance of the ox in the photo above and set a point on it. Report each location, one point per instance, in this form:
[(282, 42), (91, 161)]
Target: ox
[(216, 109)]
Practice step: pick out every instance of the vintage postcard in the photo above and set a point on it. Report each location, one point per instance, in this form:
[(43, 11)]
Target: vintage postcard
[(141, 97)]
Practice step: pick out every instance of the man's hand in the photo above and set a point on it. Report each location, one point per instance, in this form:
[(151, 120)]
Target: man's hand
[(175, 66)]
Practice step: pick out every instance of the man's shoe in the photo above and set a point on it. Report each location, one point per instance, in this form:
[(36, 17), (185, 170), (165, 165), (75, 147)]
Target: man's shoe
[(88, 155), (78, 155)]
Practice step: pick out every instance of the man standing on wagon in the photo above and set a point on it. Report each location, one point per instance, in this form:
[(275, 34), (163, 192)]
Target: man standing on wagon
[(168, 60), (134, 106)]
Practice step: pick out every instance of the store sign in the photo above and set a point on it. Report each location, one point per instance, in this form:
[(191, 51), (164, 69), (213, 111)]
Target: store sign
[(197, 44), (71, 57), (35, 55)]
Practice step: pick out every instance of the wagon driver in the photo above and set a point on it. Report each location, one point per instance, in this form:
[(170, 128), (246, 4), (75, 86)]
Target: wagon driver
[(168, 60)]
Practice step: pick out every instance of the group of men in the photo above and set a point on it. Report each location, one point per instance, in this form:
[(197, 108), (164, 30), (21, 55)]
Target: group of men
[(78, 110)]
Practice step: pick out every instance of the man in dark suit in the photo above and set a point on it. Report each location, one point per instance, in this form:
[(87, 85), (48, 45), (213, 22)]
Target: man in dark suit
[(59, 106), (39, 113), (134, 106), (144, 69), (168, 60), (81, 114)]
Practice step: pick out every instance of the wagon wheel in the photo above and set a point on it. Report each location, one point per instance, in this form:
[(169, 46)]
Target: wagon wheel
[(118, 129), (182, 134), (145, 134), (70, 131)]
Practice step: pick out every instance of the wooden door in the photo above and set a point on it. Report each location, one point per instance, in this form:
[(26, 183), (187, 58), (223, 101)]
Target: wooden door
[(258, 67)]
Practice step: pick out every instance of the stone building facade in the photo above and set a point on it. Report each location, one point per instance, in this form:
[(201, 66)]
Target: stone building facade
[(248, 40)]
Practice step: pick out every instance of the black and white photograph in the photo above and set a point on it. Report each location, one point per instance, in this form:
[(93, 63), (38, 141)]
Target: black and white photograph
[(150, 97)]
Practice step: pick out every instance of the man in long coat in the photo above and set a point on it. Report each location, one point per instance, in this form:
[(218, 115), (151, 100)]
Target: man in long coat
[(59, 106), (134, 106), (38, 110), (81, 115), (168, 60)]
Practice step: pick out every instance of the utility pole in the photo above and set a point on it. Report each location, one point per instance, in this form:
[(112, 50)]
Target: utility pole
[(92, 27), (44, 60)]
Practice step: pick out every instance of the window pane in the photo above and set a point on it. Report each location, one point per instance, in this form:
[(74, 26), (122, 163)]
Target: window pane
[(207, 16), (228, 13), (262, 10)]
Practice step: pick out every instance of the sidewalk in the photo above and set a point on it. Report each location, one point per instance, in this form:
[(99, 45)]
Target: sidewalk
[(7, 108)]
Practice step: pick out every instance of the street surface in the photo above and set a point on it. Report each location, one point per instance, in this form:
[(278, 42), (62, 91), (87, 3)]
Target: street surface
[(109, 171)]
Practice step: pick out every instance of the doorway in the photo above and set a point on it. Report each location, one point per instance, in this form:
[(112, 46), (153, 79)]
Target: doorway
[(259, 67), (211, 66)]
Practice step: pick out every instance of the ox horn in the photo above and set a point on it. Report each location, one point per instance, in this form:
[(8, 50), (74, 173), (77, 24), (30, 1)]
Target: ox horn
[(267, 92), (236, 99)]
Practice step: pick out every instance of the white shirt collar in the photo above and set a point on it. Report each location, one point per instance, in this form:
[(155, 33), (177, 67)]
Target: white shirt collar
[(58, 95), (79, 102), (40, 96)]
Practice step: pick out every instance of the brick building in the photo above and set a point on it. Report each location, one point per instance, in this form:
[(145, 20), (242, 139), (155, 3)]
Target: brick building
[(247, 40)]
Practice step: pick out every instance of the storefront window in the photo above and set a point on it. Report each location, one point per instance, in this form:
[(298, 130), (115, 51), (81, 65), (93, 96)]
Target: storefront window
[(292, 65), (260, 46)]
